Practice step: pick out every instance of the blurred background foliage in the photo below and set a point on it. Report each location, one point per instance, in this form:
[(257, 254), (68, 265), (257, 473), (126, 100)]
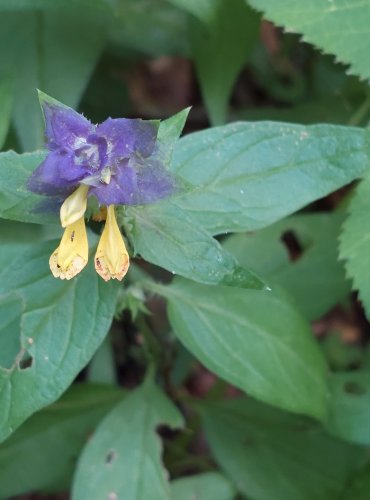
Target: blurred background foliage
[(155, 57)]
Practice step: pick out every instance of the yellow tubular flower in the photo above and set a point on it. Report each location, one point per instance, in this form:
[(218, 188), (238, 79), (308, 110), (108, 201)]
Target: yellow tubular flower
[(74, 206), (72, 254), (111, 258)]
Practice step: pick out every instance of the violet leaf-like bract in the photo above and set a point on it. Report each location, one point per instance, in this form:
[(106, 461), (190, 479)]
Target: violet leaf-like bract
[(120, 160)]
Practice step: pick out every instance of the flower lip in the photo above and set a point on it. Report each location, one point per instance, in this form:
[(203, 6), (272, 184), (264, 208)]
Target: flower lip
[(72, 254)]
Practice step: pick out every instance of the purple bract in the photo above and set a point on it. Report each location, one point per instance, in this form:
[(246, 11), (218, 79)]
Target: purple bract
[(119, 159)]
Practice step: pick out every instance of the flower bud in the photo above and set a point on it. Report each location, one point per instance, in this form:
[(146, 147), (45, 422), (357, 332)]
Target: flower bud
[(74, 206)]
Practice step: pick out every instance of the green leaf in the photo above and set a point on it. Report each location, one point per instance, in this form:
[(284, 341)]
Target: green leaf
[(355, 243), (206, 486), (205, 10), (238, 177), (102, 366), (151, 27), (123, 458), (245, 176), (169, 132), (51, 55), (20, 233), (272, 455), (324, 110), (42, 453), (155, 231), (336, 26), (11, 309), (350, 407), (61, 326), (359, 486), (8, 253), (314, 277), (255, 340), (220, 50), (16, 202), (171, 128), (166, 236)]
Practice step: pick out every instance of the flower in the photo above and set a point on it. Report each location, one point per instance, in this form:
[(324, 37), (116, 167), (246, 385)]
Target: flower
[(111, 258), (118, 161), (72, 254)]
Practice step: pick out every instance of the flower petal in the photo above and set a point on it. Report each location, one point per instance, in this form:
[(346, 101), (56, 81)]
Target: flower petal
[(128, 136), (135, 184), (64, 126), (56, 174)]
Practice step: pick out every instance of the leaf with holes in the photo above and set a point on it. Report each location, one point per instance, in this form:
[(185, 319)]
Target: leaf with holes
[(339, 27), (255, 340), (350, 407), (61, 326), (123, 458), (60, 431), (314, 277), (355, 242)]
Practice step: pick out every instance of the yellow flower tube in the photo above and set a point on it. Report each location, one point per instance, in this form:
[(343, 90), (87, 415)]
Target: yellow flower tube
[(111, 258), (72, 254)]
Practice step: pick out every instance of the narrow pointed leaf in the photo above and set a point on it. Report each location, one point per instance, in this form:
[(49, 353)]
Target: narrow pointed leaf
[(220, 49)]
